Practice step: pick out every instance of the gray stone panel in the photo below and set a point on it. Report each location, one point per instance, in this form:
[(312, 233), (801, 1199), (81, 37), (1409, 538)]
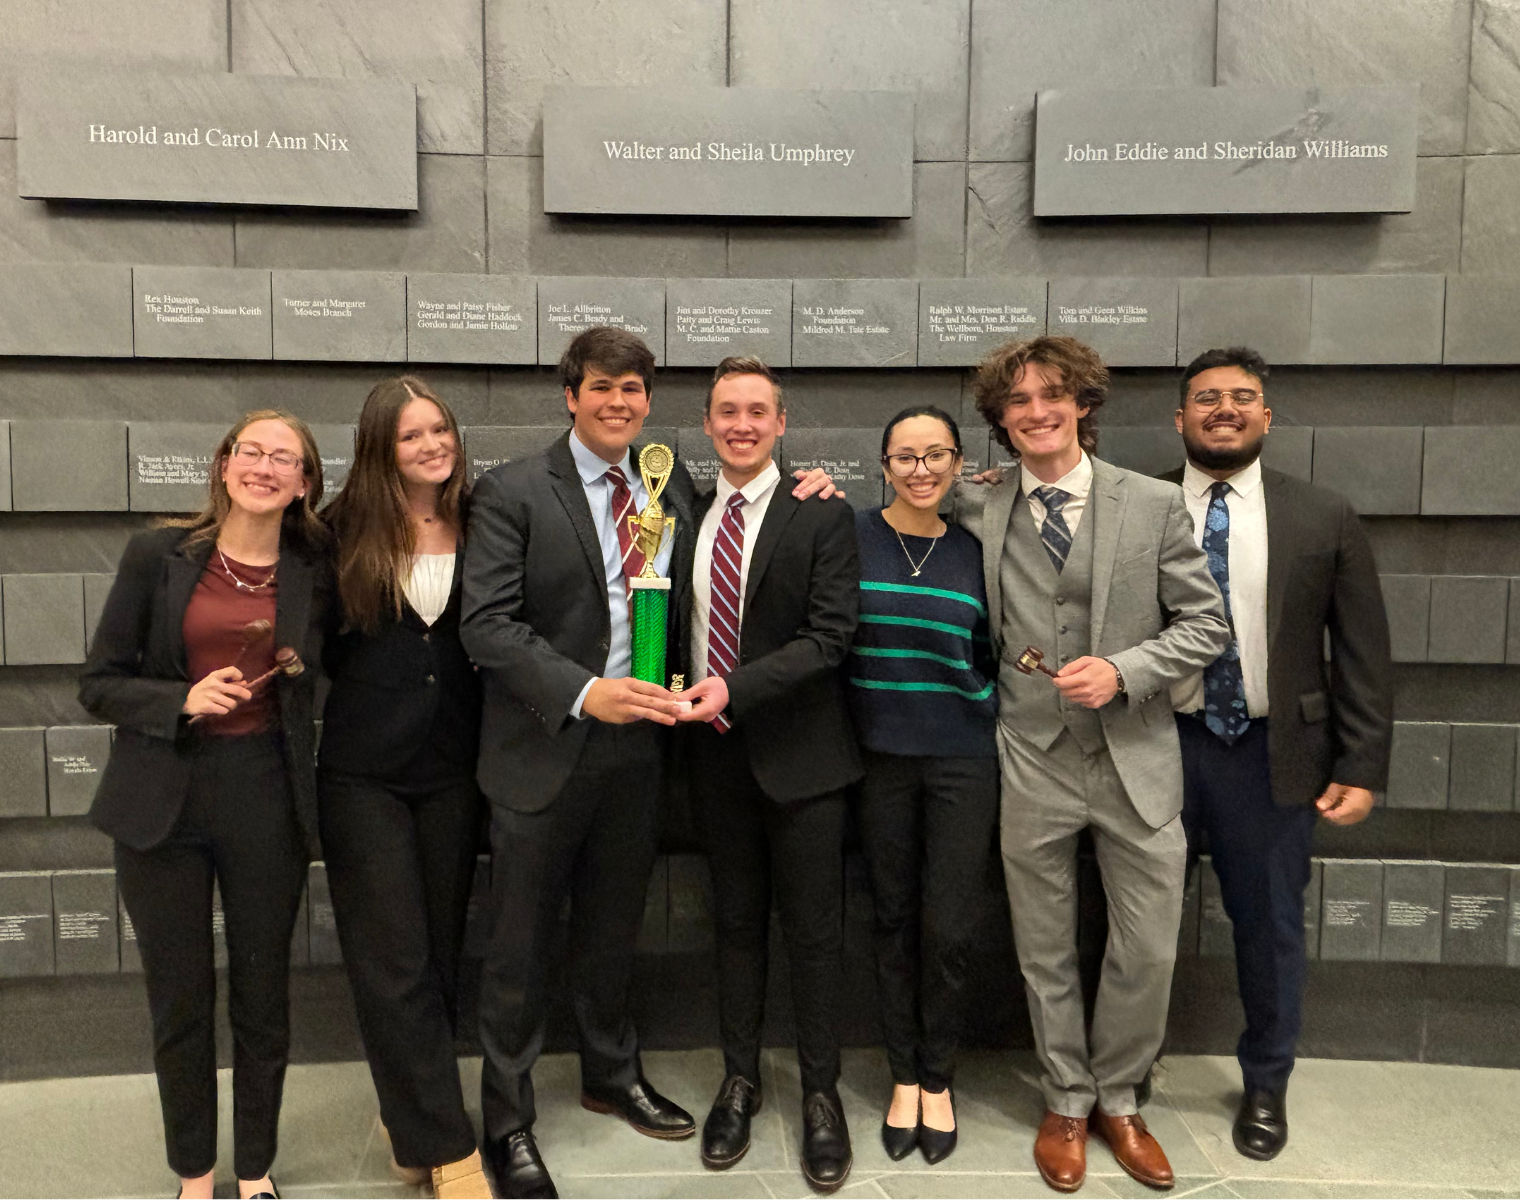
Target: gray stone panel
[(1482, 768), (488, 446), (695, 450), (1003, 237), (1216, 933), (1419, 773), (530, 44), (960, 321), (1270, 315), (214, 138), (201, 312), (85, 923), (335, 443), (1290, 449), (131, 956), (26, 924), (471, 319), (1308, 43), (706, 320), (1313, 909), (5, 466), (76, 756), (167, 464), (1376, 468), (1377, 318), (1139, 43), (1407, 601), (1477, 912), (44, 619), (447, 232), (1490, 222), (1512, 632), (339, 316), (524, 240), (866, 44), (1151, 450), (97, 586), (322, 925), (1414, 901), (689, 150), (80, 310), (1351, 909), (1493, 117), (851, 457), (1467, 618), (1456, 455), (1482, 319), (1428, 239), (569, 305), (383, 39), (1512, 950), (1130, 322), (23, 773), (854, 322)]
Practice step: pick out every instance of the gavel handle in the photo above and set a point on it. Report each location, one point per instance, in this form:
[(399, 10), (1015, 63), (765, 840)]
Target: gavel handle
[(251, 685), (1041, 666)]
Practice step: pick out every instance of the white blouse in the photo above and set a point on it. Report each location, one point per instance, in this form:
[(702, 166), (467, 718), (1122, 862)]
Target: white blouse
[(428, 585)]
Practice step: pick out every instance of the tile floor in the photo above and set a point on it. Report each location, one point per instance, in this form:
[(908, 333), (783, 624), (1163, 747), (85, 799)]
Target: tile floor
[(1360, 1129)]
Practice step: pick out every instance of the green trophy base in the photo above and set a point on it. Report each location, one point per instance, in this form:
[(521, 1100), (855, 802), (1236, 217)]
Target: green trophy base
[(649, 607)]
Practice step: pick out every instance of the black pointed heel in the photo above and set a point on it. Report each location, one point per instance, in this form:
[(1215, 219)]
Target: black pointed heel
[(937, 1144), (899, 1142)]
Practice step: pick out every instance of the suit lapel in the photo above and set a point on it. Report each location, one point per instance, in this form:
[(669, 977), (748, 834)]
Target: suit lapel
[(1279, 551), (1105, 509), (567, 485), (184, 571), (778, 516), (292, 602), (995, 517)]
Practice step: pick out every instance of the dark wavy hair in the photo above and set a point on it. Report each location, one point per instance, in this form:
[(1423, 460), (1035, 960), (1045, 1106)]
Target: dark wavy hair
[(922, 410), (609, 349), (1082, 373)]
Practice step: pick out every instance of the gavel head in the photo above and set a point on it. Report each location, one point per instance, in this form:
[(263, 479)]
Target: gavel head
[(288, 662), (255, 630), (1029, 661)]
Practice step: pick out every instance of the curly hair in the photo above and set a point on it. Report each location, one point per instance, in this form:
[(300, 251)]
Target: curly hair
[(1082, 373)]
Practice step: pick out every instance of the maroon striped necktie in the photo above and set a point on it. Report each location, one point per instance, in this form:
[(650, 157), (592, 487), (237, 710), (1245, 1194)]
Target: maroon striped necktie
[(622, 507), (723, 611)]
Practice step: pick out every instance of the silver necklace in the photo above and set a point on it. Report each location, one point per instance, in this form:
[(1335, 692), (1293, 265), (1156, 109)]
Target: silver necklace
[(252, 587), (919, 565)]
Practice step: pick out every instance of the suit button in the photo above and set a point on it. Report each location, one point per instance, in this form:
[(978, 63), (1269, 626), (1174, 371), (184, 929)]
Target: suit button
[(603, 643), (430, 679), (427, 637)]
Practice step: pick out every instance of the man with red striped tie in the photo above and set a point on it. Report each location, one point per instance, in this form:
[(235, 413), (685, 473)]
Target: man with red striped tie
[(770, 615)]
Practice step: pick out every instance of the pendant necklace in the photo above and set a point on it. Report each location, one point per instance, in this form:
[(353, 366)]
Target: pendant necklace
[(249, 587), (919, 565)]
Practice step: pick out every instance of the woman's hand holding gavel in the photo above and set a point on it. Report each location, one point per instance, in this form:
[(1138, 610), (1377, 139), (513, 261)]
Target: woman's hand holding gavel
[(217, 694)]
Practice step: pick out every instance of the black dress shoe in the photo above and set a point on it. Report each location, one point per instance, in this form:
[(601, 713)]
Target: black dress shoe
[(1261, 1125), (643, 1108), (725, 1133), (826, 1156), (899, 1142), (515, 1169), (937, 1144)]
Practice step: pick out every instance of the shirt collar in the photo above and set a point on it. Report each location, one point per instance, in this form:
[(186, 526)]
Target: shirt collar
[(1244, 481), (592, 466), (1076, 482), (752, 490)]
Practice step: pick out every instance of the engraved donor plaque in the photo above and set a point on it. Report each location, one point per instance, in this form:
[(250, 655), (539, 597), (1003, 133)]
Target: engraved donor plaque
[(854, 323), (471, 319), (961, 320), (201, 312), (26, 924), (167, 465), (571, 304), (488, 446), (76, 756), (1131, 322), (84, 923), (339, 316), (852, 457), (706, 320)]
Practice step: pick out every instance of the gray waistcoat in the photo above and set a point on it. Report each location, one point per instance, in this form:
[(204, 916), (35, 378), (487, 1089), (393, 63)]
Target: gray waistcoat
[(1053, 613)]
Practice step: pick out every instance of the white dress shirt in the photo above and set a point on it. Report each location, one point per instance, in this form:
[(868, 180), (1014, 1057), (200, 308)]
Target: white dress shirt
[(1077, 482), (593, 472), (428, 584), (1247, 506), (757, 495)]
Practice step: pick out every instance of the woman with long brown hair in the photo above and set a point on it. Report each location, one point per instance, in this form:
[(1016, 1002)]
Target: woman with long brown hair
[(197, 662), (400, 812)]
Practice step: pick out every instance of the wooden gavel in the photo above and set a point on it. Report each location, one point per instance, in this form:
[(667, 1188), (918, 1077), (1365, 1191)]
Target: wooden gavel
[(286, 662), (1032, 660)]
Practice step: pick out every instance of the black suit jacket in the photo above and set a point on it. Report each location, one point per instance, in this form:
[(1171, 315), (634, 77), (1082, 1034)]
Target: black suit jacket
[(137, 677), (535, 616), (801, 606), (1330, 722), (396, 688)]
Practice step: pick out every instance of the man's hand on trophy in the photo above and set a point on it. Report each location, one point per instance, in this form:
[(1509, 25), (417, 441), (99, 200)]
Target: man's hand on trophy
[(623, 701), (816, 482), (708, 699)]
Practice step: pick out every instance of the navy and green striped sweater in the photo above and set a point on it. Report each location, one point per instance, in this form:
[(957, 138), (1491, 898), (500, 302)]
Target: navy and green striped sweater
[(920, 677)]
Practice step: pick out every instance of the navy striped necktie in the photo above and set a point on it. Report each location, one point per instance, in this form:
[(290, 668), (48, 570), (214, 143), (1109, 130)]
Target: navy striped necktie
[(1054, 533)]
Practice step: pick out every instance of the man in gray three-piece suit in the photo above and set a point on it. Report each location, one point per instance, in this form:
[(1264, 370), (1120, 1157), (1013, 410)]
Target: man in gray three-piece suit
[(1098, 568)]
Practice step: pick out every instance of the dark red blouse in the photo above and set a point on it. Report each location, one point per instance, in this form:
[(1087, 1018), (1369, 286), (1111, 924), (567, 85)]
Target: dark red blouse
[(213, 629)]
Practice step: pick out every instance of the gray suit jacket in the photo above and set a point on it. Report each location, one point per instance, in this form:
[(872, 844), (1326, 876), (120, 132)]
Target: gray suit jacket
[(1156, 614)]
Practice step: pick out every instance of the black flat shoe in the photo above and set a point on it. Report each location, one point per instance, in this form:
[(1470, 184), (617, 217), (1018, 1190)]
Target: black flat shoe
[(826, 1154), (514, 1168), (937, 1144), (642, 1107), (725, 1133), (1261, 1125)]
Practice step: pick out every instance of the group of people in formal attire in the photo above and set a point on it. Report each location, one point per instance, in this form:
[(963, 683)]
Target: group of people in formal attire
[(1008, 661)]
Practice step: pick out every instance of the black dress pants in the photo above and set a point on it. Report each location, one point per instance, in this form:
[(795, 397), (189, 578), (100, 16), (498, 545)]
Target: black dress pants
[(759, 848), (239, 828), (400, 858), (595, 846), (926, 826), (1261, 855)]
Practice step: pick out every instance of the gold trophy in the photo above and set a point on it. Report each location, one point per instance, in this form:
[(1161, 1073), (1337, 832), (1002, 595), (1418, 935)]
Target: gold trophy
[(650, 591)]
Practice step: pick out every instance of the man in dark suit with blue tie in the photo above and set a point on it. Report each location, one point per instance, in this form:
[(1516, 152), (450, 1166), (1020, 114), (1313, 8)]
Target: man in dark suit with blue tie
[(1274, 737)]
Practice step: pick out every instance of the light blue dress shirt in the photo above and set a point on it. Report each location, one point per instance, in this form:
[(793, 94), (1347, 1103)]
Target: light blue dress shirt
[(592, 469)]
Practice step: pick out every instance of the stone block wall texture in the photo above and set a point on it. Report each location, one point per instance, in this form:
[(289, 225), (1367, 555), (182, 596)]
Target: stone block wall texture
[(1407, 442)]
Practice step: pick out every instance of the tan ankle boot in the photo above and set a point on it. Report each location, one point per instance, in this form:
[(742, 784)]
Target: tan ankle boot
[(462, 1180)]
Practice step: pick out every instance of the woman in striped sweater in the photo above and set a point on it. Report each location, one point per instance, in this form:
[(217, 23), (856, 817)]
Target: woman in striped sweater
[(925, 705)]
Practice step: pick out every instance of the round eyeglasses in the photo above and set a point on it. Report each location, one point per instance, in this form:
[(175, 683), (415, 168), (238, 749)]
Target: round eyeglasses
[(936, 462)]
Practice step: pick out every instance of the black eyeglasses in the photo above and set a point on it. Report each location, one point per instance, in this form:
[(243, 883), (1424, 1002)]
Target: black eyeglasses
[(936, 462)]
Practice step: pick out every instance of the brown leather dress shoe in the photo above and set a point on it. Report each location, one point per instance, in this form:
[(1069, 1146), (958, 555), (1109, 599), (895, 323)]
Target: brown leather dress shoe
[(1138, 1152), (1060, 1151)]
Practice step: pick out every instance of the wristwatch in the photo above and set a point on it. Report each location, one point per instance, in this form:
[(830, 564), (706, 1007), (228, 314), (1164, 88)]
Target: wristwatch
[(1118, 674)]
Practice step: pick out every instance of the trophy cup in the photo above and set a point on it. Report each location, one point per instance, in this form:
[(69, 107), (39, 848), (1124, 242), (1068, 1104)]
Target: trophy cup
[(649, 593)]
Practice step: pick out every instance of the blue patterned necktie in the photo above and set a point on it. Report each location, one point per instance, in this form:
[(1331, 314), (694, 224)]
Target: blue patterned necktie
[(1053, 532), (1224, 685)]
